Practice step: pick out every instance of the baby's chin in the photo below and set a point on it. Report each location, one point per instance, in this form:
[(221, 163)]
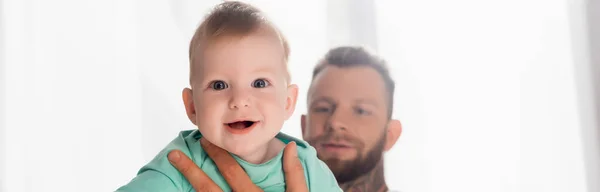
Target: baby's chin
[(242, 148), (255, 153)]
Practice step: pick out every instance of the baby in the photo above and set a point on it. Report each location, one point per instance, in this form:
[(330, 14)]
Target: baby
[(239, 97)]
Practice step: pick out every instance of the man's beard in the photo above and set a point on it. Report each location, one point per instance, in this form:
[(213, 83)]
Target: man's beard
[(349, 170)]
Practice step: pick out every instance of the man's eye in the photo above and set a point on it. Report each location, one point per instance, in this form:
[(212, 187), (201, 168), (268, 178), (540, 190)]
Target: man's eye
[(321, 109), (218, 85), (260, 83), (362, 111)]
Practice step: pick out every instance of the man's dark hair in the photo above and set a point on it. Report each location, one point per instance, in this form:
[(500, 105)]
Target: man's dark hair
[(349, 56)]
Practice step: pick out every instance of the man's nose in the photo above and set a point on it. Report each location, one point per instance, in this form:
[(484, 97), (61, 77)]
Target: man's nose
[(239, 100), (336, 122)]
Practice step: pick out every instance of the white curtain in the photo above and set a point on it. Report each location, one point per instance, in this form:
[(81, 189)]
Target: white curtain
[(73, 93), (491, 93)]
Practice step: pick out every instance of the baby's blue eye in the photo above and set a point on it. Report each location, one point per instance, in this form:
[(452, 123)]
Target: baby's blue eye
[(218, 85), (260, 83)]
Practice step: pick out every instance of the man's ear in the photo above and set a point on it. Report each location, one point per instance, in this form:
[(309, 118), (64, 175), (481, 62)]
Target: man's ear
[(188, 102), (292, 96), (303, 124), (394, 130)]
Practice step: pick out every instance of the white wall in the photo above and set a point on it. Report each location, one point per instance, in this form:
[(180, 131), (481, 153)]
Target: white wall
[(585, 15), (351, 22), (487, 95), (2, 104), (73, 109)]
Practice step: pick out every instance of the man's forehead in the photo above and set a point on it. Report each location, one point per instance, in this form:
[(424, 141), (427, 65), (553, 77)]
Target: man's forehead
[(347, 83)]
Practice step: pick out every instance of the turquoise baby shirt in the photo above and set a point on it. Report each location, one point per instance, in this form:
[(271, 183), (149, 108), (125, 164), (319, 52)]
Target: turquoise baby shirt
[(160, 175)]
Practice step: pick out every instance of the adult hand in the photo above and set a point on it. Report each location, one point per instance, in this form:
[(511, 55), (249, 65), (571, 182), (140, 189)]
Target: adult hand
[(233, 173)]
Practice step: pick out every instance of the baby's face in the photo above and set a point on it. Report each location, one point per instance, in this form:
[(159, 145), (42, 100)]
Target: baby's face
[(240, 92)]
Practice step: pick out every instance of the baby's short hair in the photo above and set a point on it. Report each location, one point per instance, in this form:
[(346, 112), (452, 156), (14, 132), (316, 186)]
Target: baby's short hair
[(232, 18)]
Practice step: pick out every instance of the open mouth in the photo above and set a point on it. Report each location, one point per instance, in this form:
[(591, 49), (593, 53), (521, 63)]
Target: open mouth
[(241, 124)]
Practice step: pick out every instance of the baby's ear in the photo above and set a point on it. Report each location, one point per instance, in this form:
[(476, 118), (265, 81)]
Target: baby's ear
[(292, 96), (188, 102)]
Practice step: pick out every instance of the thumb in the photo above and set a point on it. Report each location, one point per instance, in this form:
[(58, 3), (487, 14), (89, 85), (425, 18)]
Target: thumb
[(292, 167)]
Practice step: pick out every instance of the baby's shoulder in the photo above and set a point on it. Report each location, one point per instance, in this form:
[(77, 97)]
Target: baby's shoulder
[(318, 175), (160, 166), (305, 150), (187, 142)]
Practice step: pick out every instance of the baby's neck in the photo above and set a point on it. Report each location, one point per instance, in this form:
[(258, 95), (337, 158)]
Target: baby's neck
[(265, 153)]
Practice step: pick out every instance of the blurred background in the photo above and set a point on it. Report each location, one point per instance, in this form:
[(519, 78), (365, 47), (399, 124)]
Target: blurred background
[(494, 95)]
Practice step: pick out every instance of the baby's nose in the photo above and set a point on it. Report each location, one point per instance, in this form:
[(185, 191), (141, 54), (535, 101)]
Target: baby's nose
[(239, 101)]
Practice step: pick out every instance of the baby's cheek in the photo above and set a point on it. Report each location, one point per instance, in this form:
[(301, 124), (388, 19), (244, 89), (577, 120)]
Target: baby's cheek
[(266, 95)]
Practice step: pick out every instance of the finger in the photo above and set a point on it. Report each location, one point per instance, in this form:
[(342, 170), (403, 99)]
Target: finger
[(232, 172), (197, 178), (292, 167)]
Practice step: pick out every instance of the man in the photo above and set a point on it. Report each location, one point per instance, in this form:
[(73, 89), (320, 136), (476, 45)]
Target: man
[(348, 121)]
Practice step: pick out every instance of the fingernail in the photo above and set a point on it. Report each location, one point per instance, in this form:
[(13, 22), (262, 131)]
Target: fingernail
[(174, 156), (294, 150)]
